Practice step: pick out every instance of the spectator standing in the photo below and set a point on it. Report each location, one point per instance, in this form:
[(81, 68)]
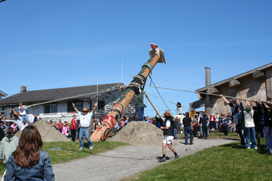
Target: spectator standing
[(240, 127), (194, 121), (65, 130), (200, 124), (28, 161), (175, 128), (212, 121), (266, 116), (217, 121), (35, 119), (8, 145), (85, 121), (127, 120), (60, 126), (168, 132), (19, 120), (139, 103), (22, 112), (204, 122), (187, 122), (249, 126), (258, 121), (225, 125), (178, 125), (77, 129), (73, 128)]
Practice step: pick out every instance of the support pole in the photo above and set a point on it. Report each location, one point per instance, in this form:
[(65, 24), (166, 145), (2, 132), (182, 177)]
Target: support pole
[(152, 104)]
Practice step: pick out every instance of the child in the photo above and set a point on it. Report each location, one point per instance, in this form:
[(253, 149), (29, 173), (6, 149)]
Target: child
[(65, 129)]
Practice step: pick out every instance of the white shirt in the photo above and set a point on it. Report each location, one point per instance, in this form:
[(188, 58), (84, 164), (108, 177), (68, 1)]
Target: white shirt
[(85, 120), (217, 118), (249, 122), (20, 123), (168, 123), (22, 112)]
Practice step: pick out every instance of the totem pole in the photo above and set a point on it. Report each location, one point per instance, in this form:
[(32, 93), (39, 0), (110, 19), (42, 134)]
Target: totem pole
[(156, 56)]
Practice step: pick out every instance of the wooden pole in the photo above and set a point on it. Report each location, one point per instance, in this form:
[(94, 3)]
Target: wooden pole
[(152, 104)]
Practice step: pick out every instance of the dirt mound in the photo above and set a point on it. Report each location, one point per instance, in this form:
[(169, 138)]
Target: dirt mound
[(48, 133), (139, 133)]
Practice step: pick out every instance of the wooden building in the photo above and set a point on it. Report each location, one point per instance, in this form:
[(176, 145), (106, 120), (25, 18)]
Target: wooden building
[(255, 84), (83, 97)]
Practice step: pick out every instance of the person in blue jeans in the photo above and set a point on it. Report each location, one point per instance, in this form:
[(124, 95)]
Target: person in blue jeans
[(85, 121), (249, 126), (22, 112), (139, 103), (188, 126)]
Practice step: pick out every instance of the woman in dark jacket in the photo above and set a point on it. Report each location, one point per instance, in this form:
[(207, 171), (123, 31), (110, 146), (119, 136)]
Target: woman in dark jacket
[(28, 162)]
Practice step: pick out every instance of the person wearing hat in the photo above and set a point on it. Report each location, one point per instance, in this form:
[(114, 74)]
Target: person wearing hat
[(85, 121), (249, 126), (168, 132)]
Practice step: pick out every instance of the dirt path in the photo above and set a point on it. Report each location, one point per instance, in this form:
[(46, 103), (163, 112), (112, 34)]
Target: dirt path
[(125, 161)]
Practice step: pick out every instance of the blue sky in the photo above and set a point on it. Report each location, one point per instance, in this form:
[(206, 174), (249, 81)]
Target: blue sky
[(53, 44)]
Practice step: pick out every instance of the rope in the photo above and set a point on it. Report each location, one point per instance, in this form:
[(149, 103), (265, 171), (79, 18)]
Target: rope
[(166, 100), (219, 95), (79, 95), (160, 95)]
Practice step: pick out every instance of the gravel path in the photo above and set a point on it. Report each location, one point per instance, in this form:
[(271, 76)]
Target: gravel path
[(125, 161)]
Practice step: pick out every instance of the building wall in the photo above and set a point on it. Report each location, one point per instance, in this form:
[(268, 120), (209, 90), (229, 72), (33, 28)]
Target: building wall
[(249, 88)]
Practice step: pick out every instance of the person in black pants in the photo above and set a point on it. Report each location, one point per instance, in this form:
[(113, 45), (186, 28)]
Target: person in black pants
[(225, 125), (240, 127), (204, 121)]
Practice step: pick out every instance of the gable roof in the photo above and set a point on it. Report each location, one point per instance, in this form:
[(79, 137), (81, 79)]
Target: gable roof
[(3, 94), (262, 68), (54, 94)]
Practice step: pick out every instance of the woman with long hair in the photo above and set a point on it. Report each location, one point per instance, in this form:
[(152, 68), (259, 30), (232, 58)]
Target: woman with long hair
[(28, 161)]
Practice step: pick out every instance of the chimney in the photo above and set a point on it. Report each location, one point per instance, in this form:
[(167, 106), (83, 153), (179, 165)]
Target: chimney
[(23, 88), (207, 76)]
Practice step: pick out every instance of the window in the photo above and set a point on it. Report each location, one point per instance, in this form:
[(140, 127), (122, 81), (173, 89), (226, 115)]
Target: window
[(50, 108), (101, 104), (78, 104)]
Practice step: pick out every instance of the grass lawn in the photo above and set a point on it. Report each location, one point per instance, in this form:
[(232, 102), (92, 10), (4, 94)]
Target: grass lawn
[(70, 150), (226, 162)]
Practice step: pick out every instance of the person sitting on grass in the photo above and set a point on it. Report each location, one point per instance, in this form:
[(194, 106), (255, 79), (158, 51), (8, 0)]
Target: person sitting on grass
[(28, 161), (168, 132), (249, 126)]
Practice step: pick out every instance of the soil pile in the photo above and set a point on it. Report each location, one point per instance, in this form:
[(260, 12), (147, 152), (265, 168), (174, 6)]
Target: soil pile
[(48, 133), (139, 133)]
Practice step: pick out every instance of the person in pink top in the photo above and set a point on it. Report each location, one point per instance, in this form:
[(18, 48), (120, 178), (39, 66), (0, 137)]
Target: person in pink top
[(65, 129)]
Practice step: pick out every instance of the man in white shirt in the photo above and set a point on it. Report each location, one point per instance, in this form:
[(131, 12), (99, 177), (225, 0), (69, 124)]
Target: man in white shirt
[(85, 121), (22, 112)]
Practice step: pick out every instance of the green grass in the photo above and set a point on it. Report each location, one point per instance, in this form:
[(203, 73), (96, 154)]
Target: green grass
[(213, 135), (70, 151), (226, 162)]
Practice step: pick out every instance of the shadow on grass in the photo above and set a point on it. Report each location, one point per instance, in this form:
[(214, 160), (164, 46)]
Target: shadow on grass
[(261, 149)]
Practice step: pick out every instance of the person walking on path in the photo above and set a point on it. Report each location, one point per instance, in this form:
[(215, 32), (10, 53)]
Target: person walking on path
[(204, 121), (249, 126), (85, 121), (168, 132), (73, 128), (28, 161), (187, 122), (22, 112)]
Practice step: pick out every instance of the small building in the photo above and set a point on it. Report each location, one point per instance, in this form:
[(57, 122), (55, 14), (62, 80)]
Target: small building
[(56, 104), (255, 84)]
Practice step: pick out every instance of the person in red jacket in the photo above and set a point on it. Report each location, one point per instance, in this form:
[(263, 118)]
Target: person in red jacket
[(212, 121), (73, 128)]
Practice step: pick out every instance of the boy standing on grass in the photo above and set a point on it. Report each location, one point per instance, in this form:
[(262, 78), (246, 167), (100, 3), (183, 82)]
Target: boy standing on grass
[(168, 132)]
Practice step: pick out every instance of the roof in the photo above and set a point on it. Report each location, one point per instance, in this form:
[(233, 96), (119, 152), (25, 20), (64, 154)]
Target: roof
[(54, 94), (2, 94), (203, 89)]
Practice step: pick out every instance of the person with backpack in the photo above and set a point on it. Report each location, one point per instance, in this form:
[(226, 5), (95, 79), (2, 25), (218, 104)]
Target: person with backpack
[(168, 132)]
